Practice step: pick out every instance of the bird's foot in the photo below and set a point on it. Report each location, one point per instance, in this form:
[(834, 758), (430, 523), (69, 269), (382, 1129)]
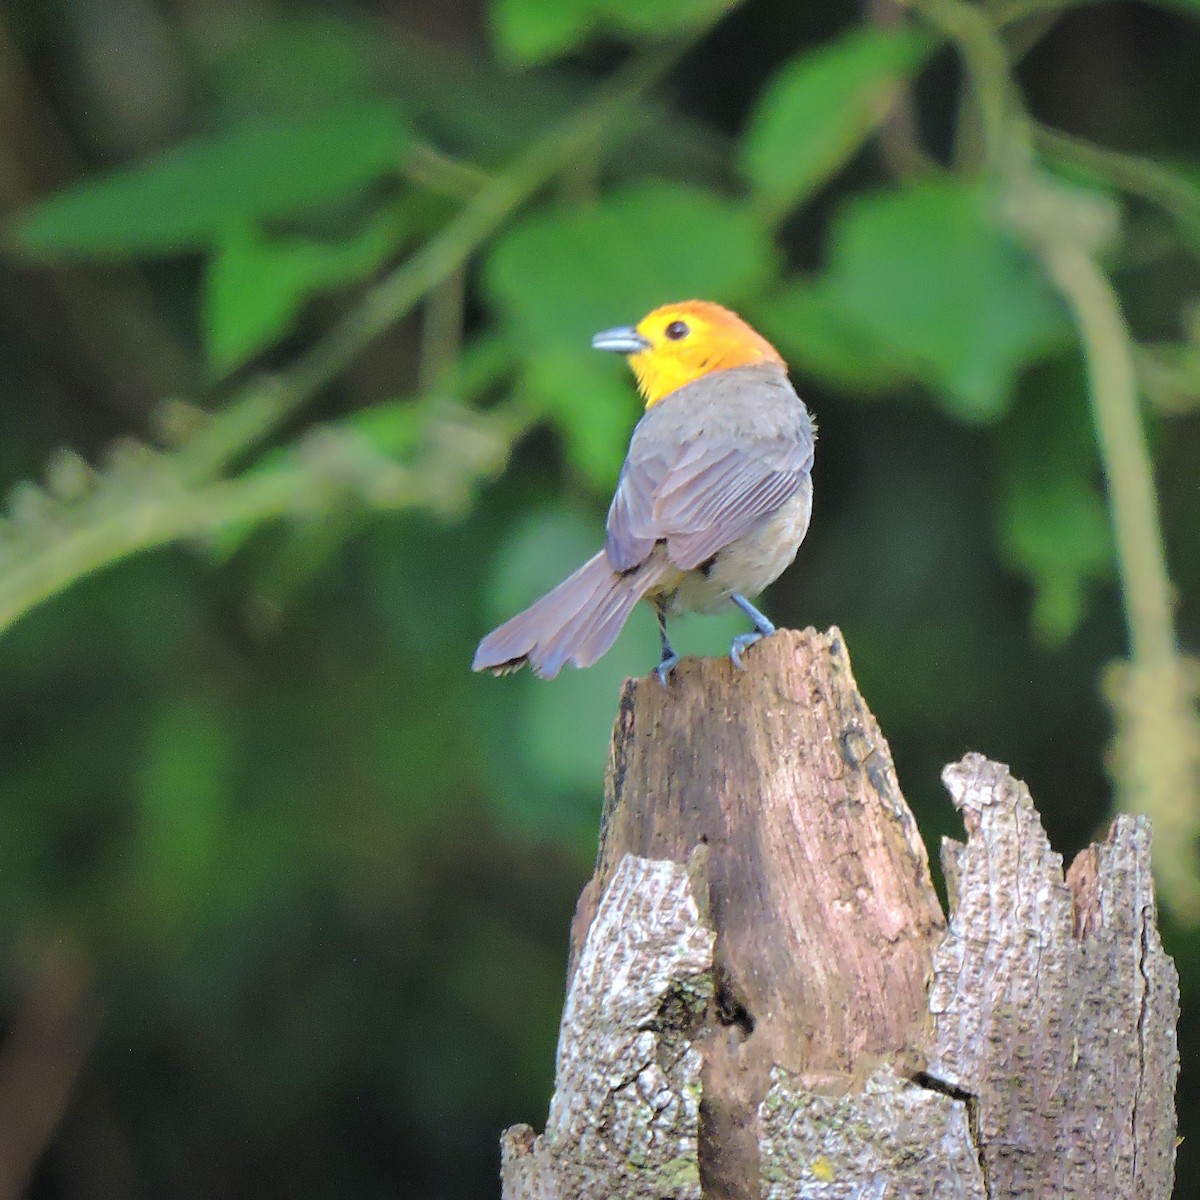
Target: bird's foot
[(762, 628), (664, 668), (761, 624), (743, 642)]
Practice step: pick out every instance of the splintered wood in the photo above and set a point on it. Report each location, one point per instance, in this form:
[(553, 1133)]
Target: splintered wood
[(766, 1003), (624, 1120), (1053, 1000)]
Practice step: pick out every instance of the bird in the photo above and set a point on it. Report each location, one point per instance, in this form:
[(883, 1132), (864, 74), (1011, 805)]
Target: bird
[(711, 505)]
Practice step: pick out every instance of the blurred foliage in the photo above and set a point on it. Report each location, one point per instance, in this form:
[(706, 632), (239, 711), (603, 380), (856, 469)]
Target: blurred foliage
[(307, 292), (817, 111)]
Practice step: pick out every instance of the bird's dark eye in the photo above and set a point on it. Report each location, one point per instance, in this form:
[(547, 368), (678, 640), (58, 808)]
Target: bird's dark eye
[(676, 330)]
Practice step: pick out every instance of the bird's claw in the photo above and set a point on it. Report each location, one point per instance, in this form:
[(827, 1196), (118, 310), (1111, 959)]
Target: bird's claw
[(664, 669), (741, 643)]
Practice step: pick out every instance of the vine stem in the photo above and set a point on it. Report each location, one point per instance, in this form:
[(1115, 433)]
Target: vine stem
[(1106, 341), (1108, 352), (1156, 753), (296, 489), (62, 561), (970, 28), (267, 403), (1129, 172)]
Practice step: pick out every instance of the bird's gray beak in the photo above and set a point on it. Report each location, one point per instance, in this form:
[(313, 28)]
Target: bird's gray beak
[(622, 340)]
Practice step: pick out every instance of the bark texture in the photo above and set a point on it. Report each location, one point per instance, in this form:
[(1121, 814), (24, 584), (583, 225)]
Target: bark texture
[(1054, 1002), (765, 1002), (625, 1113), (892, 1138)]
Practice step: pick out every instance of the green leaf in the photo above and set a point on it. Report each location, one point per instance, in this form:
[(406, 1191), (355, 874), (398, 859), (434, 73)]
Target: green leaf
[(927, 272), (561, 275), (593, 405), (819, 338), (529, 31), (820, 107), (1039, 523), (1053, 525), (256, 285), (292, 62), (190, 196)]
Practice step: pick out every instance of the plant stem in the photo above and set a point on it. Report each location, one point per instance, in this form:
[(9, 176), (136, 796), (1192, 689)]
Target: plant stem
[(266, 404), (312, 483), (441, 331), (1155, 761), (61, 560), (1129, 172), (428, 167), (1107, 344), (1009, 12), (970, 26), (1108, 351)]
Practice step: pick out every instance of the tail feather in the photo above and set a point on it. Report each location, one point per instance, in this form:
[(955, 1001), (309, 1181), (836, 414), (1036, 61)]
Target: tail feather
[(577, 622)]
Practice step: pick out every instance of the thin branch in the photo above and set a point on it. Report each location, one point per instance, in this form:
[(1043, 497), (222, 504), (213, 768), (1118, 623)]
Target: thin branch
[(265, 405), (1108, 352), (1156, 755), (332, 465), (1106, 341), (441, 331), (427, 167), (142, 524), (1130, 172)]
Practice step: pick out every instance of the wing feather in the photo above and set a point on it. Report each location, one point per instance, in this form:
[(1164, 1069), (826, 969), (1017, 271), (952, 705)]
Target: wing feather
[(631, 529), (705, 466), (722, 507)]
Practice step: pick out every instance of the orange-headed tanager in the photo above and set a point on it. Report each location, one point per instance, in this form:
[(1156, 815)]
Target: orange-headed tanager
[(712, 504)]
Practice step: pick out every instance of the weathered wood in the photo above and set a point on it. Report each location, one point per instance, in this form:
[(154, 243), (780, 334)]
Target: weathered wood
[(820, 888), (1054, 1002), (625, 1113), (839, 1040)]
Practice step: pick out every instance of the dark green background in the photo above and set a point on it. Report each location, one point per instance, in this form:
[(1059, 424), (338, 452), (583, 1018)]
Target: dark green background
[(311, 878)]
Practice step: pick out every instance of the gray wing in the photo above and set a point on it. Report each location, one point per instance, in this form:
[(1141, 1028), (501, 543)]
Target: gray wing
[(701, 473)]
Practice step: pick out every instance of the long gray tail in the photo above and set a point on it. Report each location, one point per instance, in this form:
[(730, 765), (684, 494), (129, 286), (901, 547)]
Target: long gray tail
[(577, 622)]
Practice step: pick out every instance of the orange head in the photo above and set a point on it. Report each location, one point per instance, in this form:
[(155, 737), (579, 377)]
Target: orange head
[(679, 343)]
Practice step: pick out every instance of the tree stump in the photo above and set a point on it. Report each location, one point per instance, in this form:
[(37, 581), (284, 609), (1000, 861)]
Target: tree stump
[(765, 1001)]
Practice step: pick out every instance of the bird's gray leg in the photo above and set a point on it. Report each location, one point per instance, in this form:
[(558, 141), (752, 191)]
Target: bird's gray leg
[(669, 657), (762, 628)]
